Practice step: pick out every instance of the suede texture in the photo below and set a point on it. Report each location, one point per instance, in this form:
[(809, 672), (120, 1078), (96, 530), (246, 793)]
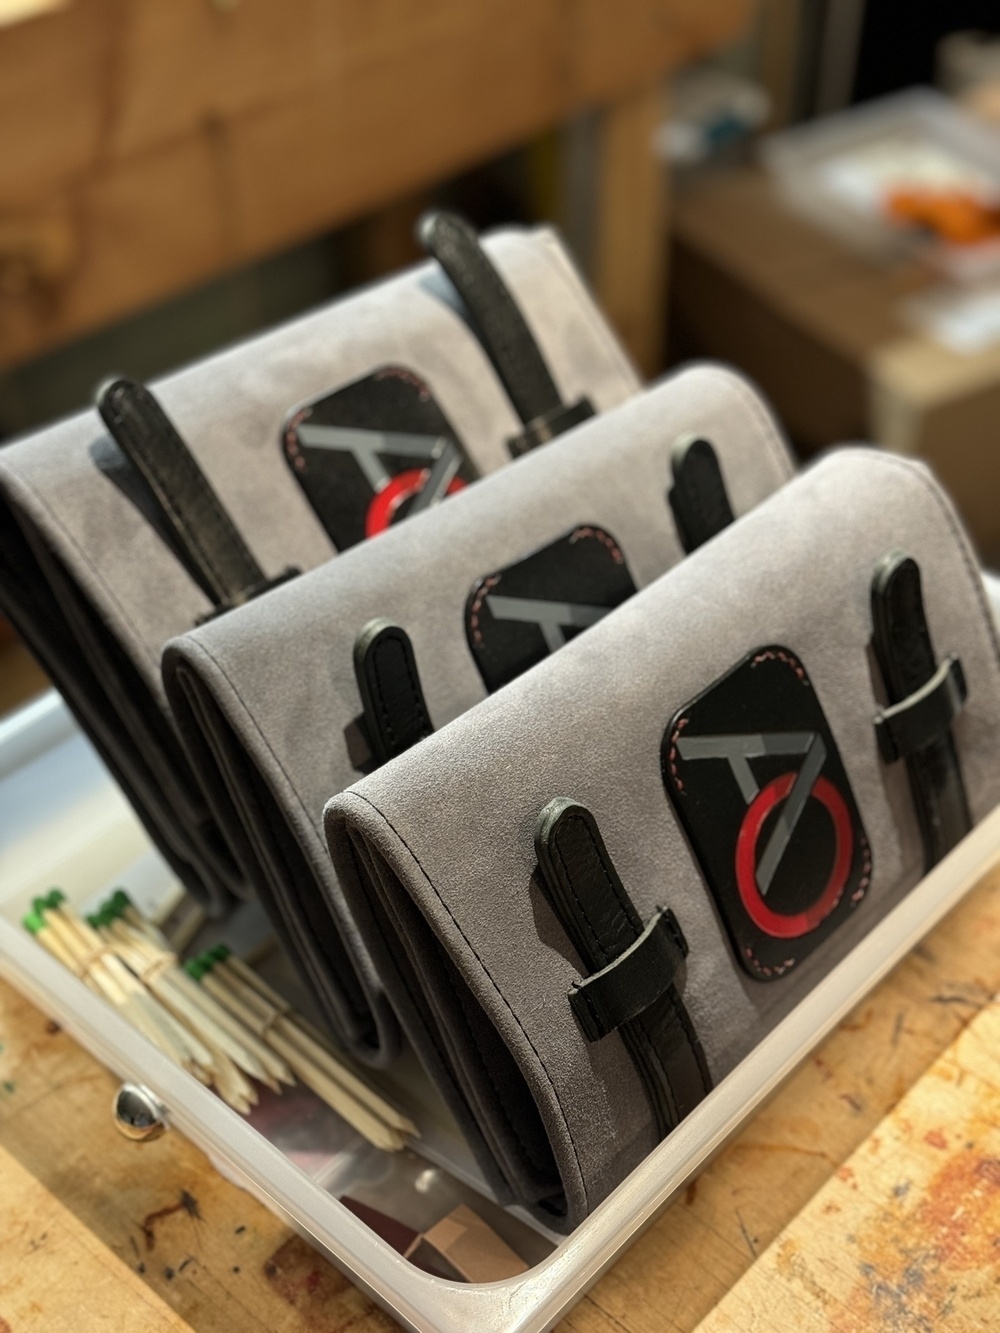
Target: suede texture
[(266, 698), (435, 852), (97, 591)]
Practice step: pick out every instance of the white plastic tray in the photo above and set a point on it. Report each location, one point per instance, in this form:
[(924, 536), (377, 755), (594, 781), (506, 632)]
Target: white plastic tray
[(62, 821)]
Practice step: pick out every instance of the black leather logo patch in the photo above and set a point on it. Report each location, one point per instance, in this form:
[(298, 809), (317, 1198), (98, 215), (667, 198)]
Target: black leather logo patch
[(373, 453), (518, 615), (755, 776)]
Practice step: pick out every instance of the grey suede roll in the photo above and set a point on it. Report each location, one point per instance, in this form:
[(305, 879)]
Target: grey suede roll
[(266, 698), (435, 851), (96, 590)]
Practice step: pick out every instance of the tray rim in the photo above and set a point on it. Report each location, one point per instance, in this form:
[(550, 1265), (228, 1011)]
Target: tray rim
[(534, 1301)]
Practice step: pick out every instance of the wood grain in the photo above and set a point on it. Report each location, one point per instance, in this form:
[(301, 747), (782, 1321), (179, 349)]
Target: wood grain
[(179, 1237), (55, 1270), (631, 231), (21, 678), (684, 1265), (53, 100), (906, 1234), (184, 139), (227, 1264), (19, 11), (615, 48)]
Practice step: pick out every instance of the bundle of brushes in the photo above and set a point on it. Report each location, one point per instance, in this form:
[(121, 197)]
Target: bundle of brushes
[(213, 1016)]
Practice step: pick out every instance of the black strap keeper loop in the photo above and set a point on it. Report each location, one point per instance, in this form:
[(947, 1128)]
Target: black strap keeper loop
[(923, 717), (248, 594), (558, 419), (631, 982)]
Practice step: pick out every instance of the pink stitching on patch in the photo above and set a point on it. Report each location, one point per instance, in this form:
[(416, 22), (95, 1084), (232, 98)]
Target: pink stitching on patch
[(866, 875), (778, 970), (482, 592), (407, 376), (604, 538), (673, 752), (794, 663)]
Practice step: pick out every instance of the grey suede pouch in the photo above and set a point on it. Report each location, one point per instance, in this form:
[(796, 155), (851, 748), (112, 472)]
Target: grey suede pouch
[(94, 586), (435, 851), (266, 698)]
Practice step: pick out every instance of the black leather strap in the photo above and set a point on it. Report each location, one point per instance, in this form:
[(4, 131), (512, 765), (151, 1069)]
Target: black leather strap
[(396, 715), (502, 331), (193, 514), (642, 1002), (923, 702), (698, 496)]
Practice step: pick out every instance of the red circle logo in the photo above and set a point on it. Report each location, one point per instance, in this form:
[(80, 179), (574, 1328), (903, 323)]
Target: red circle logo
[(800, 923), (400, 488)]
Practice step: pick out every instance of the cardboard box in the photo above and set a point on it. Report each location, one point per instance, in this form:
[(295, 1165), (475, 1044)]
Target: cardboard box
[(819, 329)]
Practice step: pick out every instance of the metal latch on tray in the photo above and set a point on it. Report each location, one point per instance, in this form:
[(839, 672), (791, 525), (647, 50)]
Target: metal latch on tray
[(138, 1113)]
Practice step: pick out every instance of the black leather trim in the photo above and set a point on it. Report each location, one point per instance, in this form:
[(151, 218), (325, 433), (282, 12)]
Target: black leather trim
[(698, 495), (502, 331), (603, 925), (188, 505), (396, 715), (902, 642)]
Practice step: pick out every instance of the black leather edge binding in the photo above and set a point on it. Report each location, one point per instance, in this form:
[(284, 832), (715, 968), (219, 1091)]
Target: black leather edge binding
[(395, 712), (642, 1003), (187, 503), (924, 699), (502, 331), (698, 496)]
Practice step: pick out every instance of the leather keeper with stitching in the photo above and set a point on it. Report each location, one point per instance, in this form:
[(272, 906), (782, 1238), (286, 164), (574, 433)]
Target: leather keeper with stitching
[(906, 728), (633, 981)]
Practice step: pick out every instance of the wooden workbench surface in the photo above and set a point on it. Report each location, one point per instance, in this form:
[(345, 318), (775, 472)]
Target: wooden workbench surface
[(865, 1196), (904, 1235), (147, 147)]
